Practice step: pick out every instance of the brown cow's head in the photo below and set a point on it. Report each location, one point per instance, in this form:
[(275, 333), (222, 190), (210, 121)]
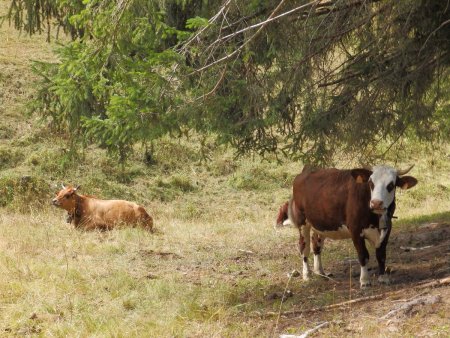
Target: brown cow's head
[(382, 182), (65, 198)]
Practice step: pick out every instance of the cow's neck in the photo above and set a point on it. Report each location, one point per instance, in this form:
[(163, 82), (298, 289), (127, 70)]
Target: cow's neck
[(77, 213), (385, 220)]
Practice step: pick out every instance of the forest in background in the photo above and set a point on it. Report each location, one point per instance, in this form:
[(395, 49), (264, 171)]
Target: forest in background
[(315, 81)]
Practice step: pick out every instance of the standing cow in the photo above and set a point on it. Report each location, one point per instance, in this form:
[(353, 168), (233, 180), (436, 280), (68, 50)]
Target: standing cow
[(90, 213), (357, 204)]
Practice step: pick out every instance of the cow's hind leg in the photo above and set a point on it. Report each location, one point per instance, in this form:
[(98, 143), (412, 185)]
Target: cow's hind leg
[(363, 257), (305, 247), (299, 220), (317, 245)]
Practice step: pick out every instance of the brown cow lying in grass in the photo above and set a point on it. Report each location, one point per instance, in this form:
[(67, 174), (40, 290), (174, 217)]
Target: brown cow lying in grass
[(91, 213)]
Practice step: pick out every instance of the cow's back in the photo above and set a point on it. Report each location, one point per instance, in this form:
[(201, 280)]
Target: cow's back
[(322, 196), (107, 213)]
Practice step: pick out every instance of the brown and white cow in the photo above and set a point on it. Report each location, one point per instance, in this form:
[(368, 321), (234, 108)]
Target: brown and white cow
[(357, 204), (90, 212)]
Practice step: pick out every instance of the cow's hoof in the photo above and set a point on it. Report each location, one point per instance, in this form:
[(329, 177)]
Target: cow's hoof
[(306, 273), (384, 279), (365, 284)]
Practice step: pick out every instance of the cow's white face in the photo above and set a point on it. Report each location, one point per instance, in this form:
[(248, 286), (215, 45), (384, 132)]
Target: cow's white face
[(382, 184)]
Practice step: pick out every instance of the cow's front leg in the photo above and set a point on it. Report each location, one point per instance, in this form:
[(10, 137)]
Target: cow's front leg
[(381, 259), (317, 244), (363, 257), (304, 247)]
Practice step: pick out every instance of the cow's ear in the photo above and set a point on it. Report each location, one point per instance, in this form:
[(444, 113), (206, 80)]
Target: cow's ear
[(361, 175), (405, 182)]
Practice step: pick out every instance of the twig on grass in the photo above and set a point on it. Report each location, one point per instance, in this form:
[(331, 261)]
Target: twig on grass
[(281, 303), (406, 307), (411, 248), (434, 283), (306, 333)]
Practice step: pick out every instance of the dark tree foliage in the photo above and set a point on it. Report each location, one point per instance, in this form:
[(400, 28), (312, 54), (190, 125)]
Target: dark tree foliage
[(37, 16), (115, 84), (325, 77), (308, 79)]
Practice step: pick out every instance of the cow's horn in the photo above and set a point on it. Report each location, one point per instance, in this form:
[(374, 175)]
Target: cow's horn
[(63, 186), (78, 187), (404, 171)]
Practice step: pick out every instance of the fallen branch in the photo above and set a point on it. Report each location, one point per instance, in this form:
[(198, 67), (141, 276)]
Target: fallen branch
[(432, 284), (411, 248), (406, 307), (306, 333), (248, 252)]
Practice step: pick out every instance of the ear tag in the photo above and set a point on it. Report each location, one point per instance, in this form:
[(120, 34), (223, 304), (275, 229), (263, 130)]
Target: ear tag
[(359, 179)]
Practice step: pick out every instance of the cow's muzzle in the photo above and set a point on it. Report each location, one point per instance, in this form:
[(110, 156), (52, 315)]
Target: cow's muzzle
[(55, 202), (377, 207)]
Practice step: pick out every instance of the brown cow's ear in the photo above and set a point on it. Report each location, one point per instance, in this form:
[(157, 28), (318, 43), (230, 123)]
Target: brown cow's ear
[(361, 175), (405, 182)]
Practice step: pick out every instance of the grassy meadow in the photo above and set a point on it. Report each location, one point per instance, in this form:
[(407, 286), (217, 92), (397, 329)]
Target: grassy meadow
[(215, 266)]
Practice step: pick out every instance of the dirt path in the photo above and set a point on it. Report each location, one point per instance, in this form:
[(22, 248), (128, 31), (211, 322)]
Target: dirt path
[(415, 258)]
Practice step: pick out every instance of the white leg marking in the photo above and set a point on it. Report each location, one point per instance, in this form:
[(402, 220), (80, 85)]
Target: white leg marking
[(288, 223), (306, 271), (306, 230), (364, 278), (318, 269)]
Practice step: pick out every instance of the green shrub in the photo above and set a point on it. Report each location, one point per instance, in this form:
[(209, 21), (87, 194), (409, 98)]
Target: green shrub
[(167, 190), (9, 158), (105, 188), (260, 177), (171, 156), (222, 166), (22, 192), (123, 173), (6, 132), (52, 161)]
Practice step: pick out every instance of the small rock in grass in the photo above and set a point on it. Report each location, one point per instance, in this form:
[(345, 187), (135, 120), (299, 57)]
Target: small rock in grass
[(293, 273)]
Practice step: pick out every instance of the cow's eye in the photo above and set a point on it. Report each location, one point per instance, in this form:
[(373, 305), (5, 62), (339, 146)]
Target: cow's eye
[(390, 186), (371, 185)]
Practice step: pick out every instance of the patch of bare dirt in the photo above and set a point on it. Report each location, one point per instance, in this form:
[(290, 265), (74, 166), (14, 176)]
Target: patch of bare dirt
[(411, 305)]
